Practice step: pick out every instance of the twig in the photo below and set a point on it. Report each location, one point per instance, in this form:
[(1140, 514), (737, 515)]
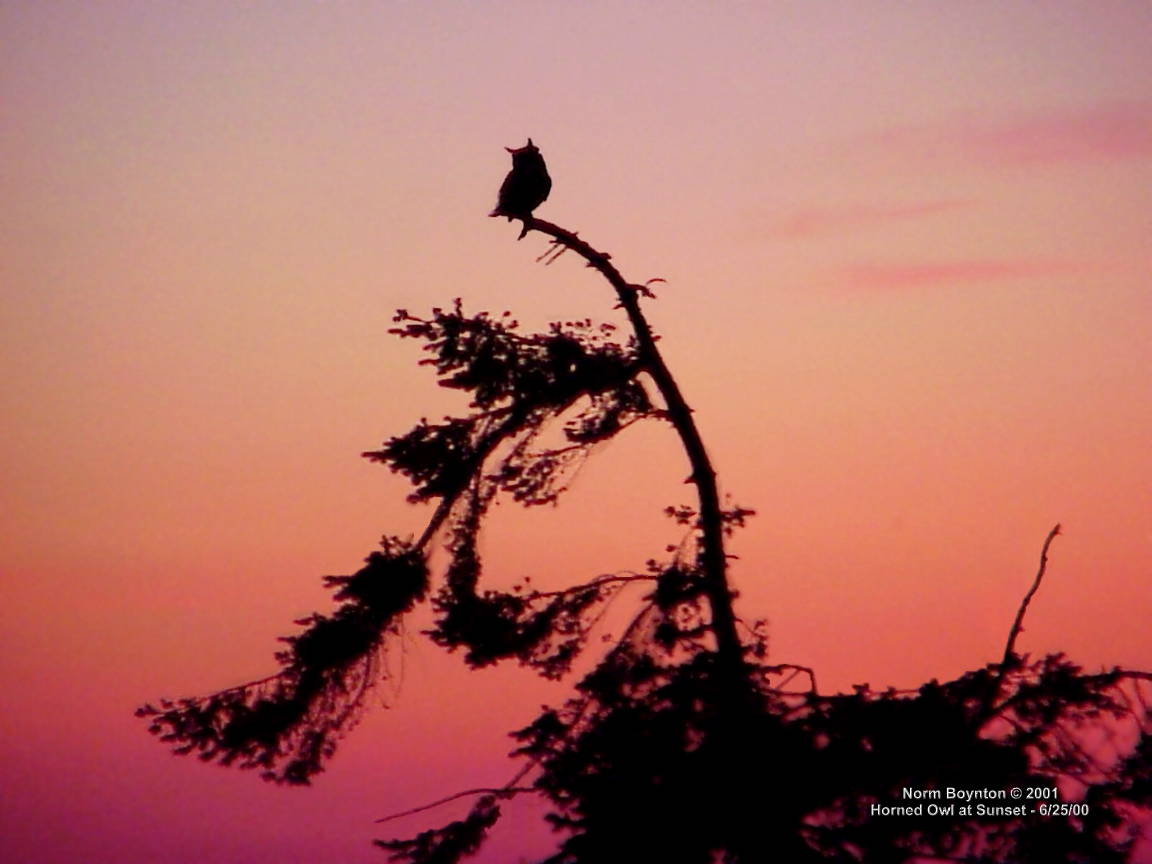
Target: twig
[(592, 583), (796, 670), (500, 792)]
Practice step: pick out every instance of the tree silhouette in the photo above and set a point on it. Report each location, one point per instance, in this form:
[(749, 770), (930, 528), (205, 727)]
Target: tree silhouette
[(684, 743)]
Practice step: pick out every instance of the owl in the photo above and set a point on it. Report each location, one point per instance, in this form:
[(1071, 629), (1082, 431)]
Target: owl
[(527, 185)]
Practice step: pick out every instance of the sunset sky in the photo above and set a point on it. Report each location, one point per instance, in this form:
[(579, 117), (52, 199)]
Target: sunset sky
[(908, 259)]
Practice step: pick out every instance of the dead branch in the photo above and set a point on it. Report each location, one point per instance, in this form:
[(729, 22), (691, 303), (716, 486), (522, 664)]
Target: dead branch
[(990, 708), (1018, 624)]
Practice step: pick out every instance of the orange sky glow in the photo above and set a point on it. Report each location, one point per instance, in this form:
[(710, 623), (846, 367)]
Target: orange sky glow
[(907, 259)]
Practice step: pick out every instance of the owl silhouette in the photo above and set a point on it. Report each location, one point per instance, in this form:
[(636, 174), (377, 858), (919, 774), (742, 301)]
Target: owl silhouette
[(527, 185)]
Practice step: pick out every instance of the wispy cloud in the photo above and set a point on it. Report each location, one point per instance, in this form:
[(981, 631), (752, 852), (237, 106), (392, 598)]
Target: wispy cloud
[(1096, 134), (1074, 135), (820, 220), (897, 276)]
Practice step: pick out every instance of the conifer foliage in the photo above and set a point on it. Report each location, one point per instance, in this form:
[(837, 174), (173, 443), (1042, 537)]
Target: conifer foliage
[(685, 743)]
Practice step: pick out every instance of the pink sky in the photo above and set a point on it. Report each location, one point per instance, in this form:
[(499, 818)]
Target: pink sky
[(908, 294)]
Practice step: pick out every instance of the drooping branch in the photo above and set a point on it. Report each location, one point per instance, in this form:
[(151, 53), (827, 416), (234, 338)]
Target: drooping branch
[(287, 725), (713, 557)]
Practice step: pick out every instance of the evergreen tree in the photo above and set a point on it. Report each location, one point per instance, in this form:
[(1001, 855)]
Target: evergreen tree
[(685, 743)]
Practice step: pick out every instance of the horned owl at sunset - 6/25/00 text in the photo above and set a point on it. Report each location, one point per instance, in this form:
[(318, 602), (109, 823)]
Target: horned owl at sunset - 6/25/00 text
[(527, 185)]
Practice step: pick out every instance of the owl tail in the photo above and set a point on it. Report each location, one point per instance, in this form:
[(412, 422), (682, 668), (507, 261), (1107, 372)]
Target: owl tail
[(499, 212)]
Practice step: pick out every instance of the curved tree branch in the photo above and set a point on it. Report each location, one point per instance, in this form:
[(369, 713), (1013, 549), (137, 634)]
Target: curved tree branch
[(712, 555)]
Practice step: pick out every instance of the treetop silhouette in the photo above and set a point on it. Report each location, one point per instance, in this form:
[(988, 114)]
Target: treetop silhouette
[(683, 743)]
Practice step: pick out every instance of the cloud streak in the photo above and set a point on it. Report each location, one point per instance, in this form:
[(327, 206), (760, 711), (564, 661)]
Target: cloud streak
[(809, 221), (1102, 133), (900, 276), (1118, 132)]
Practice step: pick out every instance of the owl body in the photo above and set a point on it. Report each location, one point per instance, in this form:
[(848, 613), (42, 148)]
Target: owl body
[(527, 185)]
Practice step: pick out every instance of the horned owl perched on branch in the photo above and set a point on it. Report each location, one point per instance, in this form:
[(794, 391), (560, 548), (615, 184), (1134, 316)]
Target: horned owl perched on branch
[(527, 185)]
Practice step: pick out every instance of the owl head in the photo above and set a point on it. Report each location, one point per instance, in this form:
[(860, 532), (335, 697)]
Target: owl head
[(526, 156), (527, 148)]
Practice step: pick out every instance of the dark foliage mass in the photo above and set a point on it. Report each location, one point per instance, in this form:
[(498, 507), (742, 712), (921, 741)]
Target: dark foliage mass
[(660, 763), (670, 750), (288, 724), (517, 383)]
